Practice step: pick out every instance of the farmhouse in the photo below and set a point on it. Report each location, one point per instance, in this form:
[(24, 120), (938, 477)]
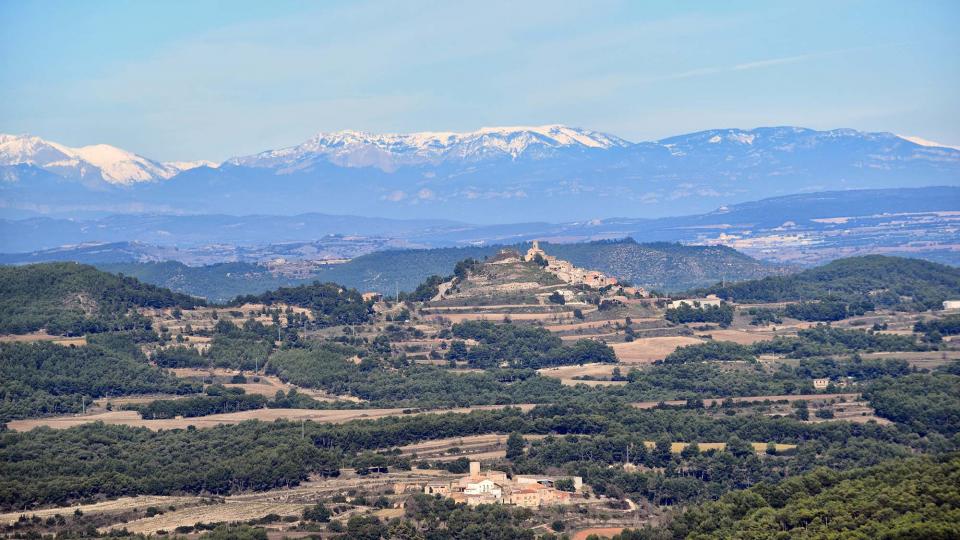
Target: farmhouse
[(821, 384), (489, 487), (951, 304)]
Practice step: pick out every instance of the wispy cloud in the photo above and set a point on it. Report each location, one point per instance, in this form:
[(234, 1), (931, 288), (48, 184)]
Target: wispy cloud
[(756, 64)]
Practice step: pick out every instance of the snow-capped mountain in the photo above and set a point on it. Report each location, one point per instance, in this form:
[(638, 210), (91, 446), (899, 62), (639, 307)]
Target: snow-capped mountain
[(95, 162), (551, 173), (789, 139), (390, 151)]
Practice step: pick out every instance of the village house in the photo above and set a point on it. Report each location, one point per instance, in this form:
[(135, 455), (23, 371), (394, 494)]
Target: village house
[(821, 384), (371, 296)]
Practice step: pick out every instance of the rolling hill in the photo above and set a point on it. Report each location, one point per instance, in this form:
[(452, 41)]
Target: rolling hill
[(890, 281), (68, 298)]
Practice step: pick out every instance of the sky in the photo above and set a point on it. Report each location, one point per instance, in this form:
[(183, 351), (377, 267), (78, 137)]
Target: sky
[(184, 80)]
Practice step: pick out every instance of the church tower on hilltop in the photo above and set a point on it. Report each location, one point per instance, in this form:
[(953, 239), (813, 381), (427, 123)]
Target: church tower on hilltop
[(534, 251)]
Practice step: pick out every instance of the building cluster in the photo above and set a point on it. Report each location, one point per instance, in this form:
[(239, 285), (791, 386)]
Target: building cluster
[(494, 487), (566, 271)]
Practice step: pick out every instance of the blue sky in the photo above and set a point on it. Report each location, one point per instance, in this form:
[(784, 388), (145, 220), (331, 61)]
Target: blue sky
[(208, 80)]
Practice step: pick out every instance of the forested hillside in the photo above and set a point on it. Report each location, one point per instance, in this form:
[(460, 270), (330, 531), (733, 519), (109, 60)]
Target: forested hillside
[(37, 379), (330, 303), (878, 280), (828, 504), (68, 298)]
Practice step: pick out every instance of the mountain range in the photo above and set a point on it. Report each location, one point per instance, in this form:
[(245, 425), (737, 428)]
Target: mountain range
[(493, 175)]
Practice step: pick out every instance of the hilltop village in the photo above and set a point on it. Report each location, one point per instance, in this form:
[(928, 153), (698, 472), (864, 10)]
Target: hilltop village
[(566, 271)]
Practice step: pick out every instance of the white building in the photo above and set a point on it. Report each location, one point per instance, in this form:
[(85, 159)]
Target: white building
[(484, 487), (951, 304)]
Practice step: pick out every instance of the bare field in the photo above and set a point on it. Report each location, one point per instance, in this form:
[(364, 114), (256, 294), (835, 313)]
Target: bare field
[(43, 336), (120, 505), (488, 447), (927, 359), (267, 386), (575, 337), (574, 382), (131, 400), (229, 511), (647, 350), (132, 418), (753, 399), (588, 325), (602, 532), (569, 372), (434, 309), (497, 317), (759, 447), (284, 502), (743, 337)]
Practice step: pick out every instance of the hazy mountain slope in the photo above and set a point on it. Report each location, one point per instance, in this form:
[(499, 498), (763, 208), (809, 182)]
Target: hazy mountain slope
[(186, 231), (803, 229), (216, 282)]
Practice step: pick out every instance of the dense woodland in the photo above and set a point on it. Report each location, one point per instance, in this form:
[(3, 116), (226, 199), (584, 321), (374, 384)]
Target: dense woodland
[(42, 378), (523, 347), (686, 313), (331, 304), (856, 503)]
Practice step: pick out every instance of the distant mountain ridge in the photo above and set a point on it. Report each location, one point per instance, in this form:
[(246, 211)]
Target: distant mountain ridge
[(798, 229), (547, 173)]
